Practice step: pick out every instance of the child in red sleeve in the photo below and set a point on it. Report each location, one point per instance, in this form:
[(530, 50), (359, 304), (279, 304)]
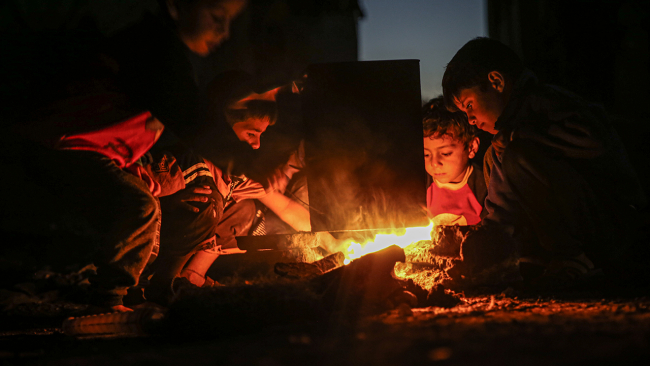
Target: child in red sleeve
[(457, 191)]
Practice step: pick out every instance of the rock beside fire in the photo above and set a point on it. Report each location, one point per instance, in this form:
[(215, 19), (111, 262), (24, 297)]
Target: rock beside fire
[(488, 258), (448, 240), (462, 258)]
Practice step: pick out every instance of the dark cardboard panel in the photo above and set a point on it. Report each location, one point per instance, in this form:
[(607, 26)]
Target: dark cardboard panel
[(363, 145)]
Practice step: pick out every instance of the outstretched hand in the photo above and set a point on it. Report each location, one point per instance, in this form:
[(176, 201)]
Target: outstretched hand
[(280, 178), (278, 181)]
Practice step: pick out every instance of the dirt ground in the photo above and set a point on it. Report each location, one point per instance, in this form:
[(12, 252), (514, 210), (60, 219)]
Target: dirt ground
[(486, 330)]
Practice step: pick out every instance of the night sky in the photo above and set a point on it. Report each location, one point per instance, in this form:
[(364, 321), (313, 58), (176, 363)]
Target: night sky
[(429, 30)]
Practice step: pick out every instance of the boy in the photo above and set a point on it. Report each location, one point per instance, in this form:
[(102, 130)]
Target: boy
[(205, 206), (556, 168), (82, 145), (458, 190), (156, 71), (94, 130)]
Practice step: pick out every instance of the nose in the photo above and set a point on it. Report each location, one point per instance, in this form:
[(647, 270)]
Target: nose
[(471, 119), (435, 161), (254, 142)]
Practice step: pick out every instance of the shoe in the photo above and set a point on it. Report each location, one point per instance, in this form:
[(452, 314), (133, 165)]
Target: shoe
[(567, 273)]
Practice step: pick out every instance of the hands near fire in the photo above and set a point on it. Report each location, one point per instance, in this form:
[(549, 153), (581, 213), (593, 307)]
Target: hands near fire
[(280, 178)]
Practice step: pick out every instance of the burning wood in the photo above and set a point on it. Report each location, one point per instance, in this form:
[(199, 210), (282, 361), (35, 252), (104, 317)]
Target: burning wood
[(301, 270)]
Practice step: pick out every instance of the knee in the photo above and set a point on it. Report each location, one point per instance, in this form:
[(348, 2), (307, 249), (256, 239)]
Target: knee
[(239, 217), (244, 212), (247, 208), (142, 204)]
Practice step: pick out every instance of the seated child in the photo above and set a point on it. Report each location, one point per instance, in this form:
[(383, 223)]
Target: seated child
[(457, 192), (85, 142), (559, 182), (205, 206)]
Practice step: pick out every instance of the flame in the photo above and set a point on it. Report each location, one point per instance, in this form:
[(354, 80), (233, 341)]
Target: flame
[(400, 237)]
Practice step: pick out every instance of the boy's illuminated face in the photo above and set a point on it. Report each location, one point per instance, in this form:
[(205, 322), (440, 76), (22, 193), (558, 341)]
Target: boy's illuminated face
[(251, 130), (483, 108), (446, 159), (204, 24)]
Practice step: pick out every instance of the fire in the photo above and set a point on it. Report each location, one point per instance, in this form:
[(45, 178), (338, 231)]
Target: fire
[(399, 237)]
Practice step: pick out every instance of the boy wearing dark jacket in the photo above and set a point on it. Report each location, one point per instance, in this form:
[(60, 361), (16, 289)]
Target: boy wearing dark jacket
[(556, 170)]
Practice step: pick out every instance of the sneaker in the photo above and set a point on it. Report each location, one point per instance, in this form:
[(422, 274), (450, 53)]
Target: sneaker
[(566, 273)]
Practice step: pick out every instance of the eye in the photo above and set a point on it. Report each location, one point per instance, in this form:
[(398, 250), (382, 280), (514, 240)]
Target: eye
[(446, 154), (469, 106), (251, 135)]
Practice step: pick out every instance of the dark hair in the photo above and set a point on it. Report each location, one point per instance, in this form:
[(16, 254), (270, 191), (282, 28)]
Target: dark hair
[(233, 85), (438, 121), (261, 109), (473, 62)]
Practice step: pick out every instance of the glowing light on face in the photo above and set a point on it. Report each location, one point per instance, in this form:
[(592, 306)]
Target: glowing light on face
[(446, 159), (203, 25), (251, 131)]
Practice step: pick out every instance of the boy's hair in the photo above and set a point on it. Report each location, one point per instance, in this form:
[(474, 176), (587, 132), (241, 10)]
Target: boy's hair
[(255, 108), (233, 85), (438, 121), (473, 62)]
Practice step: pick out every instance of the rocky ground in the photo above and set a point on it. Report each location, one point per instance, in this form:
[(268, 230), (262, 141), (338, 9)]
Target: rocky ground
[(507, 328)]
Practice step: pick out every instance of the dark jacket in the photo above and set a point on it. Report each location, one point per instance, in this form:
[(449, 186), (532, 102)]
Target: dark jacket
[(569, 128)]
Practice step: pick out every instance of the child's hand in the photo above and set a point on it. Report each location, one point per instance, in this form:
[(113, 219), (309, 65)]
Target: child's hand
[(278, 181), (192, 194)]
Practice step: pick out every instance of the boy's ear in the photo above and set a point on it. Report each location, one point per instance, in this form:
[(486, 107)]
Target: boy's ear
[(497, 81), (473, 147)]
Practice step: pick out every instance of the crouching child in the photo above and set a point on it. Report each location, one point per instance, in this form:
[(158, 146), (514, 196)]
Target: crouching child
[(559, 181), (457, 191), (206, 204)]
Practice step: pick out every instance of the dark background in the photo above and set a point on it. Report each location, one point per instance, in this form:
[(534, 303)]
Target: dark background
[(596, 48)]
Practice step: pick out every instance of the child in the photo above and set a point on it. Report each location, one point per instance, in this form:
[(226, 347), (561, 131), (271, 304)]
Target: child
[(205, 206), (156, 71), (458, 190), (557, 169), (83, 145)]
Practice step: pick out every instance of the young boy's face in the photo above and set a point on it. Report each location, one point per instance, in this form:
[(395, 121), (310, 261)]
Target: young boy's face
[(446, 159), (251, 130), (483, 108), (204, 24)]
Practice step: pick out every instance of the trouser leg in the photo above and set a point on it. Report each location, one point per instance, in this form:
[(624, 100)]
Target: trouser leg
[(121, 213), (183, 233), (237, 221)]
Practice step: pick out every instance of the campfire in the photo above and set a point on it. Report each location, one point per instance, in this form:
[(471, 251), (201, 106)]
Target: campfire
[(363, 156), (403, 238)]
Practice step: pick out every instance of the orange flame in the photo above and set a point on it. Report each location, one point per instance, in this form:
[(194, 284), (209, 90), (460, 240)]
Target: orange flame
[(399, 237)]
